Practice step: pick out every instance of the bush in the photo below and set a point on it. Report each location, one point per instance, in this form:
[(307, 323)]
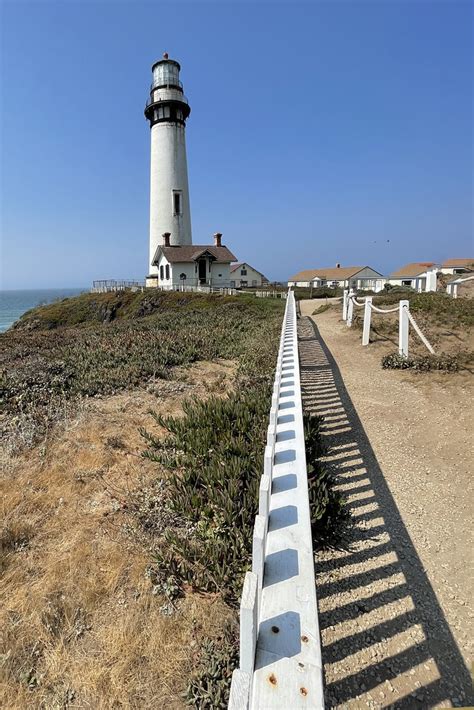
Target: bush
[(214, 454), (317, 292), (209, 687), (330, 517), (422, 363)]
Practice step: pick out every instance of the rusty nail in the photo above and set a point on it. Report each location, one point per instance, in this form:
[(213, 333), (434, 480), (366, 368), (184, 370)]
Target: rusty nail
[(275, 629), (272, 679), (305, 639), (303, 691)]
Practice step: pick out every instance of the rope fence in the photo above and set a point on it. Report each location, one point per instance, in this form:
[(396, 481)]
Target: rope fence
[(405, 318)]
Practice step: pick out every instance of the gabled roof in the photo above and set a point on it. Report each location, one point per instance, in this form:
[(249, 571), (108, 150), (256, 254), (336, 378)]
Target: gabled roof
[(457, 263), (461, 279), (412, 270), (192, 252), (340, 273), (234, 267)]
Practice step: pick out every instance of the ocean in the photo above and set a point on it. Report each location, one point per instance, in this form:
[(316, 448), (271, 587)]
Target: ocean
[(14, 303)]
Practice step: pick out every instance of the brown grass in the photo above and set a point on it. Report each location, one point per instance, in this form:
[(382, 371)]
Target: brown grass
[(81, 627)]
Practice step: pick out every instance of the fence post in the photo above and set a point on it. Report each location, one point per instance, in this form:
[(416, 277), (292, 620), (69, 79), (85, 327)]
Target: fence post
[(367, 316), (344, 304), (403, 326), (248, 623), (350, 309)]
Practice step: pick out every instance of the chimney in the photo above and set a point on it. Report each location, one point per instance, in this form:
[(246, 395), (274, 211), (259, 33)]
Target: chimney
[(166, 239), (338, 266), (217, 239)]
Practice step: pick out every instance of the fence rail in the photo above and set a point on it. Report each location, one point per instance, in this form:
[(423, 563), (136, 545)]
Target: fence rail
[(280, 649), (109, 285)]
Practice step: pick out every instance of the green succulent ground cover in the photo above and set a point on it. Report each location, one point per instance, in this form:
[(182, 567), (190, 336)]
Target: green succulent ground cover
[(57, 355)]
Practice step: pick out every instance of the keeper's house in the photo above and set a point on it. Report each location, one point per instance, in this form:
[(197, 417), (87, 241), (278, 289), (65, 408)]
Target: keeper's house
[(242, 275), (362, 278), (457, 266), (419, 275), (193, 264)]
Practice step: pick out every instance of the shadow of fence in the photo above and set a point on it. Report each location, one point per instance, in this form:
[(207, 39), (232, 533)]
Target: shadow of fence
[(385, 640)]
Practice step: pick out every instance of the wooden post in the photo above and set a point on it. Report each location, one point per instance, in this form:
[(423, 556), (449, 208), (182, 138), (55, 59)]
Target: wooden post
[(239, 690), (350, 309), (344, 304), (248, 623), (403, 326), (367, 316)]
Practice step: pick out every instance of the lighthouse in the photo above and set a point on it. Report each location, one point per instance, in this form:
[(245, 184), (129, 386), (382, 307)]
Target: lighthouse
[(167, 110)]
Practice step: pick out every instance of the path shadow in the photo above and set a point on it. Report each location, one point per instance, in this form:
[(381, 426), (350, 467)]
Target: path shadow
[(385, 639)]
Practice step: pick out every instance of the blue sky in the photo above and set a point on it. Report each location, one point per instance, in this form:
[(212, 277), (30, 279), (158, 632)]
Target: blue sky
[(320, 132)]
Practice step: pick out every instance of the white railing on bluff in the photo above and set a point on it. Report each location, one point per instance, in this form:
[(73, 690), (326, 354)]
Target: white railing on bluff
[(109, 285), (280, 650)]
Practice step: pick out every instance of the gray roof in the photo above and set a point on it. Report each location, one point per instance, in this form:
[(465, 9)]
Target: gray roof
[(192, 252)]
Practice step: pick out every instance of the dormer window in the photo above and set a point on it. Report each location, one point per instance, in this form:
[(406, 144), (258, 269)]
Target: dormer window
[(177, 203)]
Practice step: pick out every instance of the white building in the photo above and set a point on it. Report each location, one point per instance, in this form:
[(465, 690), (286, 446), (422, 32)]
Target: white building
[(193, 264), (463, 285), (167, 110), (418, 275), (362, 278), (457, 266), (243, 275)]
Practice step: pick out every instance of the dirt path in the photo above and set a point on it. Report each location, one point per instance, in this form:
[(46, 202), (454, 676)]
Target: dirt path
[(394, 608)]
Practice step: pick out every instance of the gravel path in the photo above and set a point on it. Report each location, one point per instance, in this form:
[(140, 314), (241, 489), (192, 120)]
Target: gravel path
[(394, 607)]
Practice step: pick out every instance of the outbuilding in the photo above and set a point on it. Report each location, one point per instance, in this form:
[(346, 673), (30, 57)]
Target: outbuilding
[(362, 278), (457, 266), (242, 275), (193, 264), (420, 275)]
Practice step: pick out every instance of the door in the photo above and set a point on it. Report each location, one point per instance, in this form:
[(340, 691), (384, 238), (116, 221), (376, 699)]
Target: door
[(202, 266)]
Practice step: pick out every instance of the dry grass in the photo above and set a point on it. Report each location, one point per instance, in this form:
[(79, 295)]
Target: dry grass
[(81, 627)]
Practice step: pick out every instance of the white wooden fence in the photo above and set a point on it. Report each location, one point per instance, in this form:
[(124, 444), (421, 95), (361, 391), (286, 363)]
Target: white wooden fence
[(280, 649), (405, 318)]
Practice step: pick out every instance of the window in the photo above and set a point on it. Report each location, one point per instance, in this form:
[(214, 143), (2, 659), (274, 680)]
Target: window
[(177, 205), (406, 283), (161, 272), (167, 271), (167, 111), (160, 112), (243, 272), (232, 284), (254, 282)]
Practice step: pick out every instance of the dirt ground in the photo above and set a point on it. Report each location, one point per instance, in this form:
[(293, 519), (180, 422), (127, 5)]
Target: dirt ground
[(395, 606), (81, 627)]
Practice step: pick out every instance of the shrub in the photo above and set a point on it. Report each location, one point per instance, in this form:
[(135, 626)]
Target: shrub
[(209, 687), (322, 309), (422, 363), (214, 454), (330, 517)]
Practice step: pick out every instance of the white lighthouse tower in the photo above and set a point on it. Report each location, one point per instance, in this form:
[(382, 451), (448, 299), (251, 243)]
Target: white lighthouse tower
[(167, 110)]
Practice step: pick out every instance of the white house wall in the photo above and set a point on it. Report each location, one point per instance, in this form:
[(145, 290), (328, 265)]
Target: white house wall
[(253, 278)]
